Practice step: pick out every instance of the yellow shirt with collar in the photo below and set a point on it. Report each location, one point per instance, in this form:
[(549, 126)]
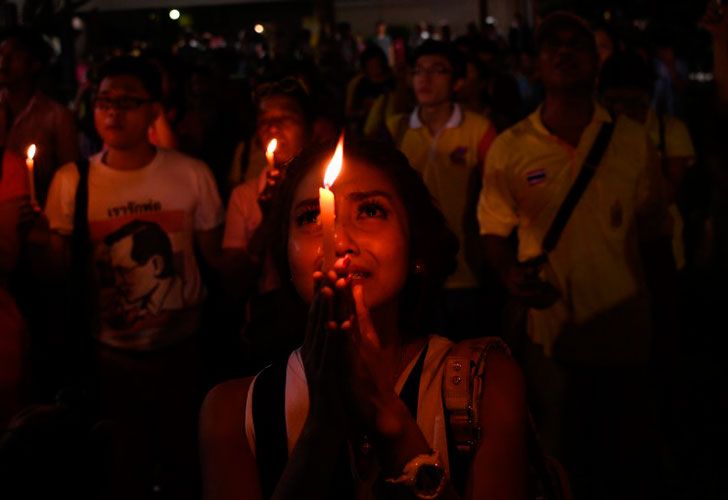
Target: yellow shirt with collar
[(596, 265), (447, 161)]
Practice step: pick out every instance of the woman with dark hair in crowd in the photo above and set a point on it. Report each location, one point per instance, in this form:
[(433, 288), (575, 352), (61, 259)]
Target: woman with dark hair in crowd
[(361, 402)]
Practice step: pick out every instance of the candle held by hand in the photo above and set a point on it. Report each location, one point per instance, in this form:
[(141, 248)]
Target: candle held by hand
[(29, 162), (270, 152), (327, 205)]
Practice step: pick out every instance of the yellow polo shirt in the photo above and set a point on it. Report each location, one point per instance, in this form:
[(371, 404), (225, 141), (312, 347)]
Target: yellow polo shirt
[(447, 161), (602, 313), (678, 143)]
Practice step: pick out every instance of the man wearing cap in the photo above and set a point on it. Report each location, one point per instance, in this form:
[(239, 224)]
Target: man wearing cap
[(589, 312)]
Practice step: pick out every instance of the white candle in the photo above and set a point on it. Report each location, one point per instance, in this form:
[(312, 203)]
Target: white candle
[(270, 152), (327, 206), (31, 176), (328, 219)]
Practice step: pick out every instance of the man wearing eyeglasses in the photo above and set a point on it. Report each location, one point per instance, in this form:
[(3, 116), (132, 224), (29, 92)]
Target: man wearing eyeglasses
[(447, 145), (150, 212)]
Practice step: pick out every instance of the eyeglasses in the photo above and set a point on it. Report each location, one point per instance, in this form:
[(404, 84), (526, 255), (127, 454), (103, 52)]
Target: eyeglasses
[(121, 103), (436, 70), (287, 85)]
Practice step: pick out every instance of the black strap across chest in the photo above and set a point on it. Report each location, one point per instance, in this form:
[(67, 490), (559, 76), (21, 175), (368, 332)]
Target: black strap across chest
[(269, 422), (572, 198), (269, 419)]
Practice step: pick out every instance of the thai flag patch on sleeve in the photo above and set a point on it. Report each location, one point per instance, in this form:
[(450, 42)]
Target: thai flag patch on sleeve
[(536, 176)]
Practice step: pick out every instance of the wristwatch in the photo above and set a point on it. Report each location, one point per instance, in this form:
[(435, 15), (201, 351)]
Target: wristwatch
[(424, 475)]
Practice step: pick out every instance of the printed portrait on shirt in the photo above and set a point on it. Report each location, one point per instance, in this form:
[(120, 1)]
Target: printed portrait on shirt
[(139, 273)]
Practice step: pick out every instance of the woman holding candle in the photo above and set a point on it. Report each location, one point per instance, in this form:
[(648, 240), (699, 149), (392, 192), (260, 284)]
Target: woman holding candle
[(348, 400), (285, 125)]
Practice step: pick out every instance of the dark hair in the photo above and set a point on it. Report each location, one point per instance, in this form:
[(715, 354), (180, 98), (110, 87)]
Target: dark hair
[(432, 244), (559, 20), (31, 41), (137, 67), (148, 240), (626, 69), (446, 50), (287, 86), (373, 51)]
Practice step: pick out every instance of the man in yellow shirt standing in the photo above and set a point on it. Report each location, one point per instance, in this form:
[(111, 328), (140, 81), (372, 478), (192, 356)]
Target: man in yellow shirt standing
[(590, 341), (447, 145), (625, 84)]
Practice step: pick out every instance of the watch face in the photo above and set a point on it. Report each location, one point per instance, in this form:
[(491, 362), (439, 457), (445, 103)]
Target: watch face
[(428, 478)]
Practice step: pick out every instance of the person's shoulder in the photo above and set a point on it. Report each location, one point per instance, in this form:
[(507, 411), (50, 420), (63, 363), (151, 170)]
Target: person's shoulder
[(493, 350), (179, 158), (476, 120), (178, 162), (245, 193), (225, 402), (50, 104), (394, 122), (517, 132), (627, 126), (676, 127), (505, 389), (68, 171)]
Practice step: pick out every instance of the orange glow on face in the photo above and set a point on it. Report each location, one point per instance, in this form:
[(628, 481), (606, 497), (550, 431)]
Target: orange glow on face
[(31, 151), (270, 150), (334, 167)]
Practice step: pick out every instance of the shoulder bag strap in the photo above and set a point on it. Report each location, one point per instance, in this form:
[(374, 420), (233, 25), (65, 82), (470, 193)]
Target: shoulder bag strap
[(588, 170)]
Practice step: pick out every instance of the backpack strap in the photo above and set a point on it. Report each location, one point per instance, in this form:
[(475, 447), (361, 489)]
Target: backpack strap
[(269, 422), (462, 389), (464, 375), (80, 237)]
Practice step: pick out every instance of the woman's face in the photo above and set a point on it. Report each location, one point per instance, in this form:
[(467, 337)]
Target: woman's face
[(371, 227)]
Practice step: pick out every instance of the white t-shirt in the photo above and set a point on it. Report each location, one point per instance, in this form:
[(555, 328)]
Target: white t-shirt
[(142, 225), (242, 220)]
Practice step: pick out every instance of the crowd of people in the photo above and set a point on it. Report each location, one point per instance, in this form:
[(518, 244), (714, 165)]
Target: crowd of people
[(529, 247)]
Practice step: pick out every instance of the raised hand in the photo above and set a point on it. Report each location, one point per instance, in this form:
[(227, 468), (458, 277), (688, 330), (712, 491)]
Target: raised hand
[(524, 283), (324, 346), (273, 179)]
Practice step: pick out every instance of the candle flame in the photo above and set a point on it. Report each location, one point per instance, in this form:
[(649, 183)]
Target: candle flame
[(272, 145), (334, 167), (31, 151)]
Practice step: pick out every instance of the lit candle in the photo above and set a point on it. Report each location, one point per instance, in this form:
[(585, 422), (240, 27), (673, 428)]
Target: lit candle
[(31, 177), (327, 205), (270, 152)]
